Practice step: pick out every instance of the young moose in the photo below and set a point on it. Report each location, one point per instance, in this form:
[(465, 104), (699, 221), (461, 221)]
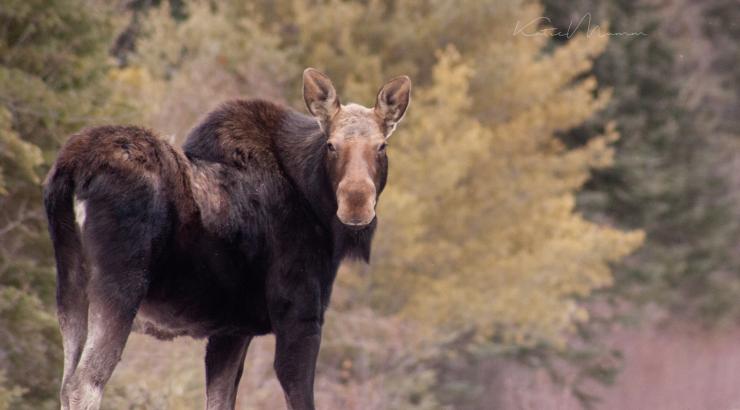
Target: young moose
[(237, 235)]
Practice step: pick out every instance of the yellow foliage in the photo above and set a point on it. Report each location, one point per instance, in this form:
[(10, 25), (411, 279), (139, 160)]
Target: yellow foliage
[(478, 227)]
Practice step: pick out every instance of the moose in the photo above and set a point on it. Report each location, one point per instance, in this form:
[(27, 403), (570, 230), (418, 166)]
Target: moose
[(238, 234)]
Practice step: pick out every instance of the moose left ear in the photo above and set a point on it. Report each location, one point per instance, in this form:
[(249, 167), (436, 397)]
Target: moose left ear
[(392, 101)]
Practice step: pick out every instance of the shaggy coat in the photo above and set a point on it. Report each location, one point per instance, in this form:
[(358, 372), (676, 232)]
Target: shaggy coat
[(238, 234)]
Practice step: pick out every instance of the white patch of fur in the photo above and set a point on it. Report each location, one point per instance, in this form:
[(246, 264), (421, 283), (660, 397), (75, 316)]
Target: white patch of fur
[(87, 397), (150, 325), (80, 212), (72, 342)]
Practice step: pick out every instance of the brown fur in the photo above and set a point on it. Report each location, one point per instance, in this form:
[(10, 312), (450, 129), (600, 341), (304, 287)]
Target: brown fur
[(238, 234)]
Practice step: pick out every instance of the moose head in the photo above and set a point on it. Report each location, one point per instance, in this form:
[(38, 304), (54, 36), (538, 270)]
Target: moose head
[(356, 140)]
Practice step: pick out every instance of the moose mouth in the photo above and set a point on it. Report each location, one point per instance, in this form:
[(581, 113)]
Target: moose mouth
[(356, 222), (357, 225)]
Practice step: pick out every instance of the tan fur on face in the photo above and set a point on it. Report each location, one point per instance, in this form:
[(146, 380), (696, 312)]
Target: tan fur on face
[(356, 135), (354, 120)]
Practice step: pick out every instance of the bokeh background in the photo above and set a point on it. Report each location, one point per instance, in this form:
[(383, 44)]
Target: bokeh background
[(560, 228)]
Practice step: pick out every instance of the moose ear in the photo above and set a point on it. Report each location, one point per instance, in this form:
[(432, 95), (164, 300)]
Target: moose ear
[(392, 101), (320, 96)]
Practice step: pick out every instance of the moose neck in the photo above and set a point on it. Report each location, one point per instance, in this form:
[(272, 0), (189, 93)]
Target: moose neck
[(302, 148)]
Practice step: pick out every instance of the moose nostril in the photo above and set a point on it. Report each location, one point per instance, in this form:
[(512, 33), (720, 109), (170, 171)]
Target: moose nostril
[(355, 192), (357, 198)]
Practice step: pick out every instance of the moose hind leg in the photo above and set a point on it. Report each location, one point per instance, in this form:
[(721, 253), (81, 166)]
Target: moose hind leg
[(119, 241), (72, 305), (115, 291), (109, 325)]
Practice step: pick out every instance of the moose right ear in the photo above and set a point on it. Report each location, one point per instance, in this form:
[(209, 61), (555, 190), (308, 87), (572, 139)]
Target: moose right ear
[(320, 96)]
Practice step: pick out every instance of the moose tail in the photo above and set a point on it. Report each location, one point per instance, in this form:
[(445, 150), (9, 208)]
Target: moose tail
[(59, 189)]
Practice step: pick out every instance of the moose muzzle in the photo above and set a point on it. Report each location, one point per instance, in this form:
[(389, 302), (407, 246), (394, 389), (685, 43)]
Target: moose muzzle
[(356, 202)]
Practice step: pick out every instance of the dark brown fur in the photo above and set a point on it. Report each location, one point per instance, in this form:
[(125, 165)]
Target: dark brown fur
[(237, 235)]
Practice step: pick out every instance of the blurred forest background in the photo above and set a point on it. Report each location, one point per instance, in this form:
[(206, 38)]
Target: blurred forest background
[(561, 221)]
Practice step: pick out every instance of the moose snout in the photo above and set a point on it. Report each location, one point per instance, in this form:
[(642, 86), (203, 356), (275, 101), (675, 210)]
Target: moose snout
[(356, 203)]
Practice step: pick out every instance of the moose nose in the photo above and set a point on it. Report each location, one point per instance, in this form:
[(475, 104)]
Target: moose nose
[(356, 203)]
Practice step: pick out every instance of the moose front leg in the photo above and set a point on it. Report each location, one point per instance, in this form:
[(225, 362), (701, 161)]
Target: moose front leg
[(224, 367), (296, 350)]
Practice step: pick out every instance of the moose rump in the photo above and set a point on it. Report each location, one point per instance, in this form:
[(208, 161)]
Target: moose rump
[(108, 218)]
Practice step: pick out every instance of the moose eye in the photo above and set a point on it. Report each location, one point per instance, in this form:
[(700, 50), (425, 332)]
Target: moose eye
[(330, 147), (381, 147)]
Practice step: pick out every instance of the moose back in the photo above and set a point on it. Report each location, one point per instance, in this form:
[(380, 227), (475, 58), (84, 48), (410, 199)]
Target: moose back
[(240, 233)]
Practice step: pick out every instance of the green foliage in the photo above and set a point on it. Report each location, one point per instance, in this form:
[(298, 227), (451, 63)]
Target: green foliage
[(52, 82), (8, 395), (666, 177)]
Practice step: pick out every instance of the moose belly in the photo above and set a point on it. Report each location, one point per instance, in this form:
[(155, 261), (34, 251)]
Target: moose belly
[(212, 287), (167, 319), (160, 322)]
